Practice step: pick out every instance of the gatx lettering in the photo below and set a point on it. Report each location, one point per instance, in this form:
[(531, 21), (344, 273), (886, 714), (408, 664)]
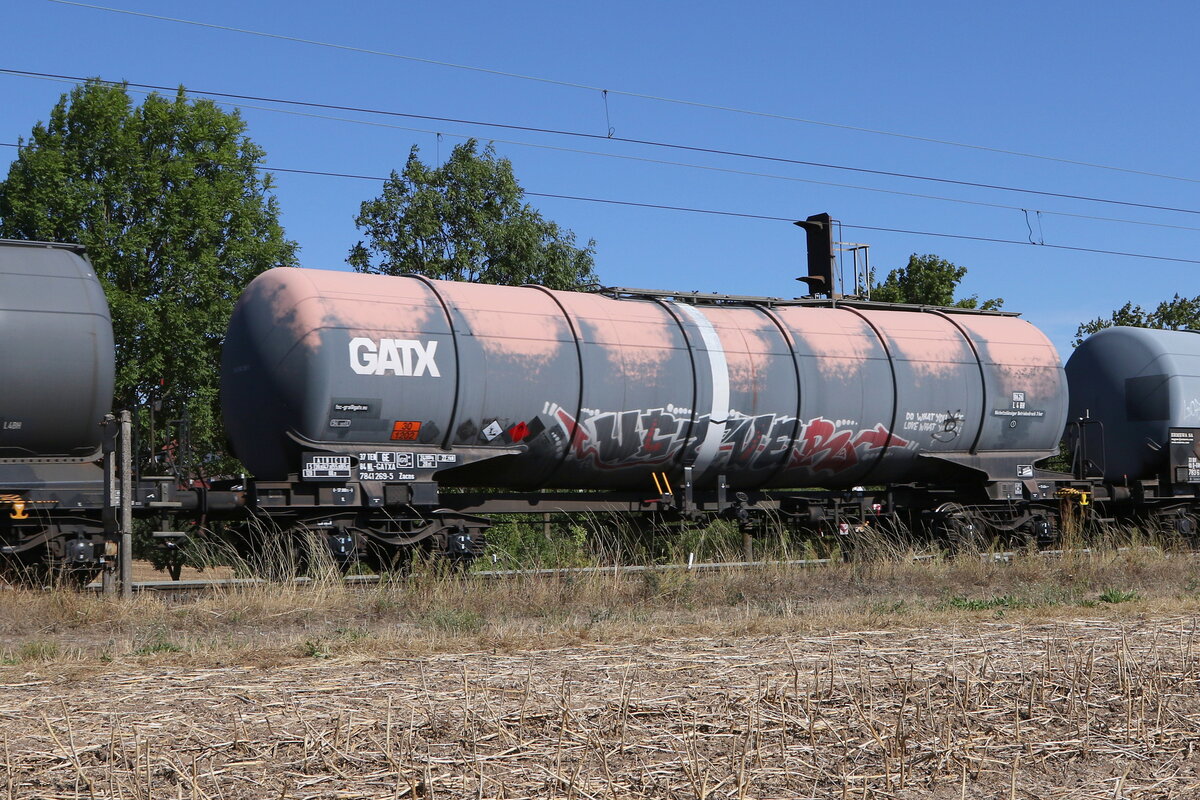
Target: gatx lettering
[(407, 357)]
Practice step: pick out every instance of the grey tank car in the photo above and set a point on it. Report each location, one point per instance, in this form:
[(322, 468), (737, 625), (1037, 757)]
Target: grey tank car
[(523, 387), (1136, 392), (57, 359), (58, 367)]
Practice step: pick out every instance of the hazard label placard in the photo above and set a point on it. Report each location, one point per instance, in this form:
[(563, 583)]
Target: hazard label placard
[(405, 431)]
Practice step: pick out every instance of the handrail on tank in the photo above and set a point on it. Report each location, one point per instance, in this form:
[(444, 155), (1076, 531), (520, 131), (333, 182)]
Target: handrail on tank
[(622, 292), (1079, 458), (71, 246)]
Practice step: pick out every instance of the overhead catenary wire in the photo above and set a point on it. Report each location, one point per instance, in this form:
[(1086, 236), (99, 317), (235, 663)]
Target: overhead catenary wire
[(689, 165), (764, 217), (626, 140), (683, 164), (605, 92)]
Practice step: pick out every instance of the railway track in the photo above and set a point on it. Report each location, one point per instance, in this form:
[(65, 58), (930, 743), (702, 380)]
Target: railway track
[(372, 580), (706, 567)]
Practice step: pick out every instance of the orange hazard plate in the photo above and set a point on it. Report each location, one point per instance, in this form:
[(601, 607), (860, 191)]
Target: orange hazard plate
[(404, 431)]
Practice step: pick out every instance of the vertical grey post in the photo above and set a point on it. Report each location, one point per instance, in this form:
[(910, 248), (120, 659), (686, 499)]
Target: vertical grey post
[(108, 577), (126, 551)]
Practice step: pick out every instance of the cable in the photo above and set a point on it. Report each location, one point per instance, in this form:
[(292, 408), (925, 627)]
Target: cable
[(637, 95), (688, 165), (960, 201), (872, 228), (626, 140), (707, 167), (553, 196), (1097, 251), (743, 215), (723, 170)]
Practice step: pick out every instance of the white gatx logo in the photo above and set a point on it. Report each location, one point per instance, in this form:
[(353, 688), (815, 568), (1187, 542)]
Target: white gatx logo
[(397, 356)]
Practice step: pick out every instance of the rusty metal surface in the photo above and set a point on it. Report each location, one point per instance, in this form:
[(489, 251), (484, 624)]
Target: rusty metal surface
[(602, 392), (847, 397), (1023, 382)]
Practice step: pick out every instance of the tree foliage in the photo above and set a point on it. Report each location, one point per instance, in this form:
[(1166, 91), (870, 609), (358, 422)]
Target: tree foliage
[(466, 221), (1178, 313), (168, 201), (929, 280)]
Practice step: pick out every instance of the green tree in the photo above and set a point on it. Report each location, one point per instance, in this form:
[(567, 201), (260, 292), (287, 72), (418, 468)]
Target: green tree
[(1178, 313), (466, 221), (929, 280), (168, 201)]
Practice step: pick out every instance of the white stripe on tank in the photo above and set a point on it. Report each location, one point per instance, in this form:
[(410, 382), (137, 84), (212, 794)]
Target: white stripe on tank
[(706, 453)]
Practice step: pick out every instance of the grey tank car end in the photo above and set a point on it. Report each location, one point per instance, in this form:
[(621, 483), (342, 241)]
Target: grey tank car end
[(57, 356), (1135, 404)]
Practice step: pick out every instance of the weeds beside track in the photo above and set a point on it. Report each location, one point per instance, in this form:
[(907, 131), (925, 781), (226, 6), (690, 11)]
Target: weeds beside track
[(429, 610)]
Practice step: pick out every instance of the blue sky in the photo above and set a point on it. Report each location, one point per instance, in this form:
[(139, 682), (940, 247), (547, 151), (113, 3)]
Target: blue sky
[(1091, 82)]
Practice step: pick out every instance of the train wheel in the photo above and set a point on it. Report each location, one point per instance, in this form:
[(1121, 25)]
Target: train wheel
[(320, 551), (267, 550), (73, 576), (957, 529), (39, 568), (1183, 528), (456, 547), (27, 568), (389, 562), (341, 547), (1039, 534)]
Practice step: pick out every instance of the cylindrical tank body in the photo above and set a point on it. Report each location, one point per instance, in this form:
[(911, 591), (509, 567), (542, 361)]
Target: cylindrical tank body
[(57, 360), (603, 391), (1139, 383)]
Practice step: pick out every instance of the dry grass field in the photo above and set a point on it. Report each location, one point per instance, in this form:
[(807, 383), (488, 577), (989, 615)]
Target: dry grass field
[(1075, 677)]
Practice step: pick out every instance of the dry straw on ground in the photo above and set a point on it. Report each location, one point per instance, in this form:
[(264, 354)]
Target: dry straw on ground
[(961, 678), (1081, 709)]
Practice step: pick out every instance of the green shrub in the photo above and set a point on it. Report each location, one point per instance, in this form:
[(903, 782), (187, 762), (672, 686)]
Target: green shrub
[(1118, 596)]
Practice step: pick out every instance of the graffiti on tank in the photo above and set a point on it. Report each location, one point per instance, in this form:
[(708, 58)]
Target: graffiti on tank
[(654, 437), (824, 447), (753, 443), (615, 439)]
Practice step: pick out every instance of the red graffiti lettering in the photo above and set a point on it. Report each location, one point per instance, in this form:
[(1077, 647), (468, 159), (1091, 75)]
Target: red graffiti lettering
[(821, 447)]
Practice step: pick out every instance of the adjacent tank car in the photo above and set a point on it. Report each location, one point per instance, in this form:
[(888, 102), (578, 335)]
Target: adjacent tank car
[(58, 354), (58, 370), (1135, 430)]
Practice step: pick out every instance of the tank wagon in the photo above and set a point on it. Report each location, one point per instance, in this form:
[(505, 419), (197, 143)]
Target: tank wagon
[(1135, 411), (58, 368), (377, 392)]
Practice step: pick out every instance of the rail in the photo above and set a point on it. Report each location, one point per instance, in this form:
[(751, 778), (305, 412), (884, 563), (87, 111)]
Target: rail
[(195, 585)]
